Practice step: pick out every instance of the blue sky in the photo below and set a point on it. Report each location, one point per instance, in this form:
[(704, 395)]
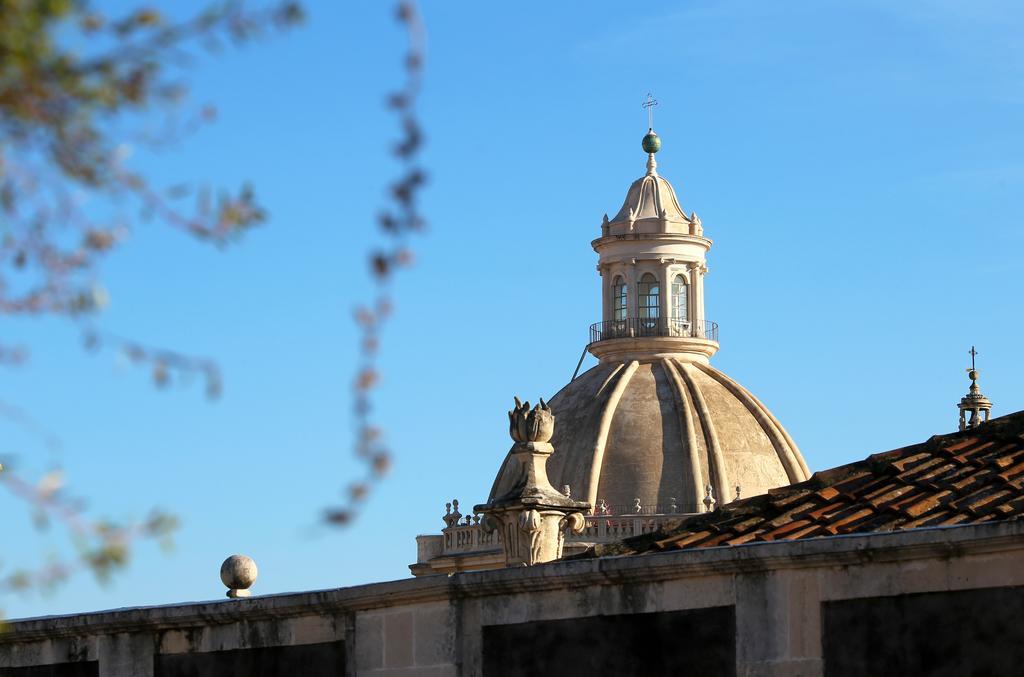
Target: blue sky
[(858, 166)]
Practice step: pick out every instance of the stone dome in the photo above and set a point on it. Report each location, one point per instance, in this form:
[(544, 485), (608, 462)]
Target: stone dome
[(651, 197), (660, 431)]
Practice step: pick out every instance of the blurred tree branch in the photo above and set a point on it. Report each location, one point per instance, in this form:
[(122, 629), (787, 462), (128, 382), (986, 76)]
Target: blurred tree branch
[(399, 220), (75, 86)]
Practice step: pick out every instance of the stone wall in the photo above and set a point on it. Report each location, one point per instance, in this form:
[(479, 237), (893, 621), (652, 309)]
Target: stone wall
[(940, 634), (786, 602), (327, 658), (80, 669), (694, 641)]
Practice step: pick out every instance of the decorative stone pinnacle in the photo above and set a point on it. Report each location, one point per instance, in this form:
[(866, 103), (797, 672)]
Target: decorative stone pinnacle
[(238, 573), (526, 425), (532, 515)]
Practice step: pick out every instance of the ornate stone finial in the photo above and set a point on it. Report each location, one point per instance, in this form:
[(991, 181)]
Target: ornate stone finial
[(238, 573), (532, 515), (567, 491), (672, 507), (526, 425), (737, 492), (652, 164), (974, 402), (709, 498), (696, 227), (451, 513)]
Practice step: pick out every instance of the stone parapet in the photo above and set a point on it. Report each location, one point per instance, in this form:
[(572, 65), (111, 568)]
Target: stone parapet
[(435, 624)]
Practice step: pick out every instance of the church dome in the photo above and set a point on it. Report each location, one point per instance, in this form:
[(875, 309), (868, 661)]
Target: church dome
[(660, 431), (654, 421), (650, 197)]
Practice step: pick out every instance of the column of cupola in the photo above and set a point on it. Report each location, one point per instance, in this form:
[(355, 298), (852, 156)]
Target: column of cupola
[(697, 269), (632, 290), (664, 273)]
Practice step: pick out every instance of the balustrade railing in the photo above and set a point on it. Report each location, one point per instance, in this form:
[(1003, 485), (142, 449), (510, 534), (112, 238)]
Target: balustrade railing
[(468, 538), (634, 327), (635, 508), (610, 528)]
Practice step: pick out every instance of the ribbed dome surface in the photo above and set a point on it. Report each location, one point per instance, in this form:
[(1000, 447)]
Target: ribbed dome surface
[(647, 198), (662, 430)]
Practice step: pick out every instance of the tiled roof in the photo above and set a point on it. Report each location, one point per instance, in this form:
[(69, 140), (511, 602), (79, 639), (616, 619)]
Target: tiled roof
[(962, 478)]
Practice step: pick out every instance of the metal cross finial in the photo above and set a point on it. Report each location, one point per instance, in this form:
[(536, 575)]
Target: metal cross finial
[(973, 353), (649, 104)]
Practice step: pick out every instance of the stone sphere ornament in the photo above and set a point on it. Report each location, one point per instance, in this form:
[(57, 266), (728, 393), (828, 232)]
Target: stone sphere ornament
[(238, 573), (651, 143)]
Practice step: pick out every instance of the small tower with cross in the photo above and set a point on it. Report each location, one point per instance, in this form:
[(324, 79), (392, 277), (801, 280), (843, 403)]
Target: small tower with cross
[(652, 258), (973, 402)]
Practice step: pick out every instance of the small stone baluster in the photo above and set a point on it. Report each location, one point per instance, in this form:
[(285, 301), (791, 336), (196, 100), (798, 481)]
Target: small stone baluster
[(709, 499)]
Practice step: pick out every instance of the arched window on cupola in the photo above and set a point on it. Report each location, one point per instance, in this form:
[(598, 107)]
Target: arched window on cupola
[(680, 307), (620, 298), (680, 300), (650, 301)]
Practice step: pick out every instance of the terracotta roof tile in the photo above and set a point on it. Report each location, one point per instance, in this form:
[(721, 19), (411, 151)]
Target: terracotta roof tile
[(920, 470), (784, 496), (934, 472), (927, 504), (966, 477), (827, 494), (739, 540), (902, 464), (780, 532)]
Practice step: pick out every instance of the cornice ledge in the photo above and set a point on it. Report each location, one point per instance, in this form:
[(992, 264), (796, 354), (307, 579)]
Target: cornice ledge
[(676, 237), (648, 568)]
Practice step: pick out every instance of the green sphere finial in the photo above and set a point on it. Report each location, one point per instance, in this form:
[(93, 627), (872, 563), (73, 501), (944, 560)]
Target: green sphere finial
[(651, 142)]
